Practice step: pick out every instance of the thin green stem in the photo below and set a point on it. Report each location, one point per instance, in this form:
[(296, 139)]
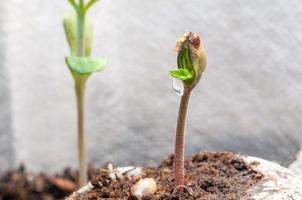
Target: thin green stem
[(80, 94), (81, 3), (180, 139)]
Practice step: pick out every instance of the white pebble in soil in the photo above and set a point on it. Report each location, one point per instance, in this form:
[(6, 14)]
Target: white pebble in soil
[(144, 187)]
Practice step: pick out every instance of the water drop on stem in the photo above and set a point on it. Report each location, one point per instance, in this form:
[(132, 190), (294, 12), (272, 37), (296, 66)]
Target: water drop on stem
[(178, 86)]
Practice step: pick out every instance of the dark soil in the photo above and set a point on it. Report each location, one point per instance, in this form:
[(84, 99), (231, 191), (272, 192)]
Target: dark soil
[(210, 176), (22, 185)]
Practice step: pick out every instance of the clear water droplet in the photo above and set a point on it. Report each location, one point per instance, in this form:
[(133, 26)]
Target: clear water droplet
[(178, 86)]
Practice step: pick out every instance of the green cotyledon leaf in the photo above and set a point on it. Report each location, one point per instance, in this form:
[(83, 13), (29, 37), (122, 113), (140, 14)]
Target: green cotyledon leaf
[(85, 65), (181, 74), (70, 27)]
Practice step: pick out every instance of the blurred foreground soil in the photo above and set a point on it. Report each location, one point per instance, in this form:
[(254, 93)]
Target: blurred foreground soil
[(19, 184)]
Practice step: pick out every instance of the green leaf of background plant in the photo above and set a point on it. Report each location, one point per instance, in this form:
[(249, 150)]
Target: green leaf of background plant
[(88, 36), (182, 74), (70, 31), (70, 27), (89, 4), (85, 65)]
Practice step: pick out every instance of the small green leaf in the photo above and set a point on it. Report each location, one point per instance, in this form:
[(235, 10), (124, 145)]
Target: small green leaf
[(73, 3), (184, 59), (70, 27), (182, 74), (89, 4), (85, 65)]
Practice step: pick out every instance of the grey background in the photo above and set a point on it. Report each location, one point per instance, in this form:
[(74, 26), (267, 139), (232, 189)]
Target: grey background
[(7, 155), (249, 99)]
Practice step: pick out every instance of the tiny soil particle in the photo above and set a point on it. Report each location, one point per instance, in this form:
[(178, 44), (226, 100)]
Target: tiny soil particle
[(209, 176)]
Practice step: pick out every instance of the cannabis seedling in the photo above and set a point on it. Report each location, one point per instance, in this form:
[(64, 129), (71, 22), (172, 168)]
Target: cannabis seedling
[(78, 29), (191, 61)]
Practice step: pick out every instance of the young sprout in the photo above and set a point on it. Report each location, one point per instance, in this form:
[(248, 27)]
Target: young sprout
[(78, 29), (191, 61)]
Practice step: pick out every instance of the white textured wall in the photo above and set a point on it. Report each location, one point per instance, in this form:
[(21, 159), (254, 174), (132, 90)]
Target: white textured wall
[(249, 100)]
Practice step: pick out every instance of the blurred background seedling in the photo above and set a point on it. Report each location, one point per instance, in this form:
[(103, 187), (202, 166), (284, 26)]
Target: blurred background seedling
[(78, 29)]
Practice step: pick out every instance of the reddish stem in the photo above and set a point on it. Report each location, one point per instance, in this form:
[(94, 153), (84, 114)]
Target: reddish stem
[(180, 139)]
